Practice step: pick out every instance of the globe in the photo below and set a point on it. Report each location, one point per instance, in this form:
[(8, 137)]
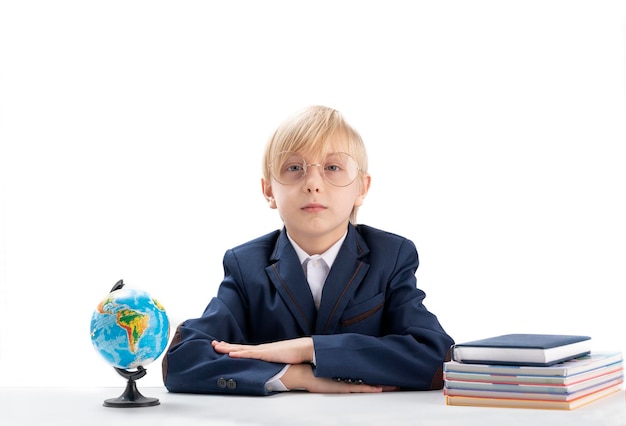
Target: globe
[(129, 328)]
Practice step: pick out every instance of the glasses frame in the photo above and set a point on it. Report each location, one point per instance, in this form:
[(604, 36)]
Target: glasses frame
[(306, 165)]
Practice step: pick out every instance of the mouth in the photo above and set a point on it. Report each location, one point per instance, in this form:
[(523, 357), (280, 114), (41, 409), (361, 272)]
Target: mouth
[(313, 208)]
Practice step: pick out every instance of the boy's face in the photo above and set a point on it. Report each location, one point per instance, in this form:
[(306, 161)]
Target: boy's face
[(315, 212)]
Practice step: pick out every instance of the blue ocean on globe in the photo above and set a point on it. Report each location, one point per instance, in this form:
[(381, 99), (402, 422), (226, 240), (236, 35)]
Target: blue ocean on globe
[(129, 328)]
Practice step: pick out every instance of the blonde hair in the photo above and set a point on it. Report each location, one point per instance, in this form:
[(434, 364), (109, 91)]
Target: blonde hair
[(313, 131)]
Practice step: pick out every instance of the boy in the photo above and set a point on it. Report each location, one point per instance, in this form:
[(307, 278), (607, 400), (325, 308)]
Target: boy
[(323, 305)]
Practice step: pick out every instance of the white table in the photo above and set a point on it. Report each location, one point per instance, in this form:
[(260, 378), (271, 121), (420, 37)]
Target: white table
[(84, 407)]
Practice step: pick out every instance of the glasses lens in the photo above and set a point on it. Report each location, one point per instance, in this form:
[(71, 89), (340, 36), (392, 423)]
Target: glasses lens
[(287, 168), (338, 169)]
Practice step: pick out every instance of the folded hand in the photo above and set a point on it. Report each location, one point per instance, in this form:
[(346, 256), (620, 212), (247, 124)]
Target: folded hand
[(294, 351)]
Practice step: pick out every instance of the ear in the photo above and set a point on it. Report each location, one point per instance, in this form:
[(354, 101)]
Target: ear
[(364, 187), (268, 193)]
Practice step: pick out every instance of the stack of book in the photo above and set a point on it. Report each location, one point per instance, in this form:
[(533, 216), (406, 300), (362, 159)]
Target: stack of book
[(531, 371)]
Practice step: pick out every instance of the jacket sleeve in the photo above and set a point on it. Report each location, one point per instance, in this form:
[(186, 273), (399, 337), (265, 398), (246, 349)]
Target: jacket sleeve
[(412, 345), (191, 364)]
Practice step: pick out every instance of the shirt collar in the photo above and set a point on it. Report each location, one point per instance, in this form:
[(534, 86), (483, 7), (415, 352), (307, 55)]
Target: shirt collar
[(329, 255)]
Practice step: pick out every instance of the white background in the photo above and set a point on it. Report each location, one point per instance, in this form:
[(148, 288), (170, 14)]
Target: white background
[(131, 136)]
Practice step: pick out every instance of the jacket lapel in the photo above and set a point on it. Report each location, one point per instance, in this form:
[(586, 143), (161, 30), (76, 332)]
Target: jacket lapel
[(285, 272), (345, 276)]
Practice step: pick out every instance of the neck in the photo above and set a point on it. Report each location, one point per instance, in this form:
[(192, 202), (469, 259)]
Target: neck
[(317, 244)]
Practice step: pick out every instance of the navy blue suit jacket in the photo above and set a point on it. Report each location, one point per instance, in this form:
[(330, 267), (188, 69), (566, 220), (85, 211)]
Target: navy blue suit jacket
[(371, 325)]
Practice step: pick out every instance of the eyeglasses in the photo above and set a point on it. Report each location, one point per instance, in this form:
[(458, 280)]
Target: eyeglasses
[(338, 168)]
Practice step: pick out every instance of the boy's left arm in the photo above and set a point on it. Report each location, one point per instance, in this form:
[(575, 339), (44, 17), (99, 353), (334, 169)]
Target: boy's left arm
[(392, 360), (404, 346)]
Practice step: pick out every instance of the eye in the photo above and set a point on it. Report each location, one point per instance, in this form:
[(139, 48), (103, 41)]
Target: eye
[(332, 168), (293, 164)]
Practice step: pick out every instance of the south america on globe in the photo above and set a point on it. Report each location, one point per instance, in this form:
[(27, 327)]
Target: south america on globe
[(129, 328)]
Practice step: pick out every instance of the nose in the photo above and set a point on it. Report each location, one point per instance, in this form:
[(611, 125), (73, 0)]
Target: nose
[(313, 178)]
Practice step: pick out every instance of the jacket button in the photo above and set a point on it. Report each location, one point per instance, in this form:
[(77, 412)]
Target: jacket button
[(231, 384), (221, 383)]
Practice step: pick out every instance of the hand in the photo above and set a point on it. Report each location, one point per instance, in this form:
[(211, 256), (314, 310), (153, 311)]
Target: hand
[(293, 351), (301, 377)]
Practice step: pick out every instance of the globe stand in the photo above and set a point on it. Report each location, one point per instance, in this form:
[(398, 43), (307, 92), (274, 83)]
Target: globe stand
[(131, 397)]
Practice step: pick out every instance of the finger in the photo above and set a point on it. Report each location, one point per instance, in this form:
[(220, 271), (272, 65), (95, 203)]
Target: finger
[(228, 346), (390, 388), (247, 354), (224, 347), (365, 389)]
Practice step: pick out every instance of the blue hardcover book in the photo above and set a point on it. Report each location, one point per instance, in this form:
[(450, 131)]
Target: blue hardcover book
[(523, 349)]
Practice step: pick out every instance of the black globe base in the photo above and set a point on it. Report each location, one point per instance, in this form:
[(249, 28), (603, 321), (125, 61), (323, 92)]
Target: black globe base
[(131, 397)]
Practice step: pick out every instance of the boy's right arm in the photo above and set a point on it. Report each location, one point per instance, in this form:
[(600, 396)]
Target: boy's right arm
[(299, 375), (192, 365)]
